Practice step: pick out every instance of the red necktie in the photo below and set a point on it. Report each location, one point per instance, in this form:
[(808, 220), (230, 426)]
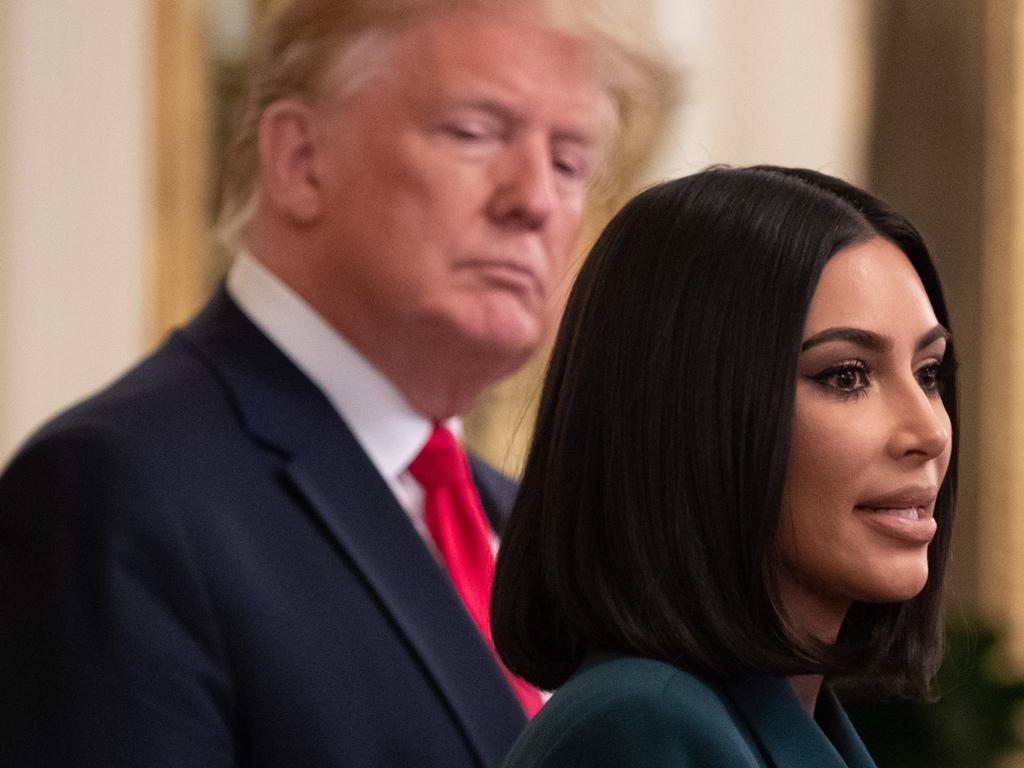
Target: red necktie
[(452, 512)]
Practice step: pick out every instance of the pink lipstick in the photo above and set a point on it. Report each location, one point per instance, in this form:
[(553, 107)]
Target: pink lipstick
[(907, 515)]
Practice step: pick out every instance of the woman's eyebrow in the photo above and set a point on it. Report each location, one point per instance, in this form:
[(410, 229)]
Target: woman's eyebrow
[(876, 342), (936, 333)]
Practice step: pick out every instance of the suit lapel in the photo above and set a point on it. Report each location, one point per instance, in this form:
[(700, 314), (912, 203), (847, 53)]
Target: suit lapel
[(355, 508), (833, 720), (785, 733), (497, 492)]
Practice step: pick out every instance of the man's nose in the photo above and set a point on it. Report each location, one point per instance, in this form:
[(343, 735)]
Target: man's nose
[(920, 424), (525, 190)]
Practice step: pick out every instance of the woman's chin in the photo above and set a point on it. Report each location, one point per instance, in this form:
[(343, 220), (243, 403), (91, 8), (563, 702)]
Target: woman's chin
[(898, 584)]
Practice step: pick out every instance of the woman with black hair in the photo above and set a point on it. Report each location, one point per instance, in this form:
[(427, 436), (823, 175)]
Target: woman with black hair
[(741, 481)]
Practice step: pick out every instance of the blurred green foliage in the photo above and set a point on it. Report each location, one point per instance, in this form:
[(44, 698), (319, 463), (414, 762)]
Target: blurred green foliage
[(974, 723)]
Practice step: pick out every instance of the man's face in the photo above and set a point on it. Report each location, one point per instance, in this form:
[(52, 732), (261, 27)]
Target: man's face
[(453, 188)]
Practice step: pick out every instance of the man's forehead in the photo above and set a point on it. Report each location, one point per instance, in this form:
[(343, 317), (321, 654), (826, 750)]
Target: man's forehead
[(498, 38), (501, 61), (507, 53)]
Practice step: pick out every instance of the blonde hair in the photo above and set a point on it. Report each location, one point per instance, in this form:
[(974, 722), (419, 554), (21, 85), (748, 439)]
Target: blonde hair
[(309, 47)]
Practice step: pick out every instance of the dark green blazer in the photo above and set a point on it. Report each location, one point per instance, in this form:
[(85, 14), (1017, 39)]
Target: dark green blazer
[(619, 712)]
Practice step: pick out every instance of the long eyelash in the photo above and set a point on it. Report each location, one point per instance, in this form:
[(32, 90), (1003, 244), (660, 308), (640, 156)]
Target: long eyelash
[(944, 370), (841, 366), (821, 379)]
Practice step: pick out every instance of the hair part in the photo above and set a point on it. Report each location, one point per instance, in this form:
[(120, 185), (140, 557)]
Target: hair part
[(648, 513), (309, 48)]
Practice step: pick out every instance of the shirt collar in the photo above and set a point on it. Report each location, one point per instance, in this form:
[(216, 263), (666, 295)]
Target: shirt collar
[(387, 427)]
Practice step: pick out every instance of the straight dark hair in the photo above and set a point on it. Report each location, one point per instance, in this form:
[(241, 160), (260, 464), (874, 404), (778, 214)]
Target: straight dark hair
[(647, 517)]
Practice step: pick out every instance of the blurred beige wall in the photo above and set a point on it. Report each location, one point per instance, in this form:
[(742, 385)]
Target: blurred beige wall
[(785, 82), (1001, 332), (6, 329), (927, 157), (73, 191)]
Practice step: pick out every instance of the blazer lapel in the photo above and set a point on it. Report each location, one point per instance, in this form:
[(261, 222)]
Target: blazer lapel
[(834, 722), (356, 509), (787, 735)]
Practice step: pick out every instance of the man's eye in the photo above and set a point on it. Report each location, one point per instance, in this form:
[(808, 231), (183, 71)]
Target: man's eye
[(471, 131), (570, 168), (464, 134), (572, 165)]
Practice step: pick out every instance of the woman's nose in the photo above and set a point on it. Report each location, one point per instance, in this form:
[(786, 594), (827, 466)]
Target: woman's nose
[(920, 424)]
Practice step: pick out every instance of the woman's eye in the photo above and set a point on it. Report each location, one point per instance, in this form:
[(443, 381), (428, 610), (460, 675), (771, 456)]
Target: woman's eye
[(929, 377), (847, 379)]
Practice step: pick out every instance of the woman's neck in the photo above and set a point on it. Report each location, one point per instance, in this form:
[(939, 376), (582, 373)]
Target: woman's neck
[(812, 616), (807, 688)]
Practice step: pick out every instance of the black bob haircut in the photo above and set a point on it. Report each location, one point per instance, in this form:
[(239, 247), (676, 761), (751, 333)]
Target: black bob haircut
[(647, 517)]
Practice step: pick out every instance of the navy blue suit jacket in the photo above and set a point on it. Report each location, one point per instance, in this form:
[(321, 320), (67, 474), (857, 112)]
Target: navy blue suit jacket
[(201, 567)]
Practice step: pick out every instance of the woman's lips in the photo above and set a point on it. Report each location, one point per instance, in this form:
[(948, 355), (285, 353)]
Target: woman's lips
[(907, 513), (909, 520)]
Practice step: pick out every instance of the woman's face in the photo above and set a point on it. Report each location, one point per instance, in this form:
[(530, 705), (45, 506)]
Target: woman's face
[(871, 440)]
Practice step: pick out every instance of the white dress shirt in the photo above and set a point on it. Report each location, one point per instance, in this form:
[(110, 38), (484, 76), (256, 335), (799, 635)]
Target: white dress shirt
[(385, 425)]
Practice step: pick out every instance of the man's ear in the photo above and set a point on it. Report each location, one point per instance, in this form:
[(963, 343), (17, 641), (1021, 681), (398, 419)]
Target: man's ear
[(288, 149)]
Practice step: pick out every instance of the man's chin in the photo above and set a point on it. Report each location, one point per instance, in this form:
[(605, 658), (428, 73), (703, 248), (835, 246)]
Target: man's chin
[(508, 345), (492, 339), (507, 350), (504, 320)]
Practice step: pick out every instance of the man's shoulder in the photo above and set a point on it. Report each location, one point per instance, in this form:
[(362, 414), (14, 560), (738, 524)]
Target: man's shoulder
[(171, 403), (177, 388), (158, 391), (137, 427)]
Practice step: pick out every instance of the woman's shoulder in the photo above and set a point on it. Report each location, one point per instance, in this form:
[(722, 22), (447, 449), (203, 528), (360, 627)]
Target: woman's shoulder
[(636, 685), (628, 711), (611, 679)]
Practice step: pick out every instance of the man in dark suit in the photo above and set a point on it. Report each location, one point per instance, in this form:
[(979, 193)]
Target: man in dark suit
[(224, 559)]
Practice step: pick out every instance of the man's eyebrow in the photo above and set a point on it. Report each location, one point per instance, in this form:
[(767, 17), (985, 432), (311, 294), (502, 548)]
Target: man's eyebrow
[(876, 342), (493, 106)]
